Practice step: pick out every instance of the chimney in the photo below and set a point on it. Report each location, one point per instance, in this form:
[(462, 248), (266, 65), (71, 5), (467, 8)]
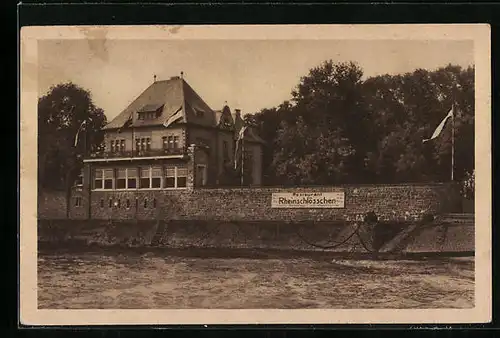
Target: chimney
[(236, 115), (238, 121)]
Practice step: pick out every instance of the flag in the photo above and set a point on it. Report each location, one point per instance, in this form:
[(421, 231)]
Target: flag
[(80, 129), (237, 151), (440, 127), (78, 132), (174, 118), (126, 124)]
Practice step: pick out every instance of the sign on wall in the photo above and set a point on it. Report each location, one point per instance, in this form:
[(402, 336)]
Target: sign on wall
[(308, 199)]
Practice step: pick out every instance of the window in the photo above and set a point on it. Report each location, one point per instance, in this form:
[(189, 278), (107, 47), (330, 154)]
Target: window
[(150, 178), (108, 178), (101, 203), (143, 143), (170, 142), (110, 203), (169, 178), (78, 201), (175, 177), (156, 175), (181, 177), (126, 178), (117, 146), (148, 115), (121, 178), (131, 178), (145, 178), (127, 203), (98, 179)]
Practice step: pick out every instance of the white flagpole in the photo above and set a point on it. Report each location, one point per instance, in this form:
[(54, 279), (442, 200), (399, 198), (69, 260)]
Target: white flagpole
[(453, 142), (242, 160)]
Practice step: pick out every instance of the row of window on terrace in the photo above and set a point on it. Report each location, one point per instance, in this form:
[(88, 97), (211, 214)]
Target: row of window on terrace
[(170, 177), (144, 144)]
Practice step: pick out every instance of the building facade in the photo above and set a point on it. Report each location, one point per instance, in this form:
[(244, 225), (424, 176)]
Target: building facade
[(168, 139)]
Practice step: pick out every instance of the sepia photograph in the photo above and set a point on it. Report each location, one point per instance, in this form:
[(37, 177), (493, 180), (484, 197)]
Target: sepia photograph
[(255, 174)]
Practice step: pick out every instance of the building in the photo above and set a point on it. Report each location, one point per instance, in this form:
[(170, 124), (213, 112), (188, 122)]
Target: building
[(168, 138)]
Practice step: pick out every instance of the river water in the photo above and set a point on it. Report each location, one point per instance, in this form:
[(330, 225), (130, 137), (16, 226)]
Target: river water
[(157, 280)]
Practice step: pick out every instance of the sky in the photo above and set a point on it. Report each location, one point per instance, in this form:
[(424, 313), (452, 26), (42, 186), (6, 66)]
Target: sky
[(247, 74)]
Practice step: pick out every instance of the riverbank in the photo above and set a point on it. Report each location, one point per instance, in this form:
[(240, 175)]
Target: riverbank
[(437, 237)]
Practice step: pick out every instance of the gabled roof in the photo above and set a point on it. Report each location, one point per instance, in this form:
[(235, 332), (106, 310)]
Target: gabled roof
[(166, 97)]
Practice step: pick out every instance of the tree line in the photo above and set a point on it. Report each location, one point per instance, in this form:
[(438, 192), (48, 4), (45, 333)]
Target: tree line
[(338, 128)]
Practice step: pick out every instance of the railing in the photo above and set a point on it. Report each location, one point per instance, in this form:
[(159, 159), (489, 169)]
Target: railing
[(139, 153)]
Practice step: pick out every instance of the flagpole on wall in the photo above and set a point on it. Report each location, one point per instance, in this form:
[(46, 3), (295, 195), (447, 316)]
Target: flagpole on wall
[(242, 160)]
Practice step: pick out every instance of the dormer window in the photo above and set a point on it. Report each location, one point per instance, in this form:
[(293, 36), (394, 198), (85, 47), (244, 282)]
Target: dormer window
[(225, 123), (149, 112)]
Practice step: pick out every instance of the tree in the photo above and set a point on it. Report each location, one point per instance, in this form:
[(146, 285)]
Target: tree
[(311, 155), (374, 127), (61, 113), (320, 142), (406, 108)]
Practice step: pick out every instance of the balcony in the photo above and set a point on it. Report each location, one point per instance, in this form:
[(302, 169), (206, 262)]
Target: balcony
[(138, 154)]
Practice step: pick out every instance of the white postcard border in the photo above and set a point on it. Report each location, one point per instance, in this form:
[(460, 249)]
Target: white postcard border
[(30, 315)]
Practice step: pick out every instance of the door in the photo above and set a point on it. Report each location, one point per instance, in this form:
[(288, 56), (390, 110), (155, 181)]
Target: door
[(201, 175)]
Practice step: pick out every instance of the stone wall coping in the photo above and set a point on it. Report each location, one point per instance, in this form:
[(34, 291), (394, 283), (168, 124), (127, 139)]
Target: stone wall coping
[(340, 186)]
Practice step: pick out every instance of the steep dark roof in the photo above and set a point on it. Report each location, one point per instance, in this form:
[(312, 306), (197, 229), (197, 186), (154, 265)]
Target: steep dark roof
[(224, 119), (167, 97), (250, 136)]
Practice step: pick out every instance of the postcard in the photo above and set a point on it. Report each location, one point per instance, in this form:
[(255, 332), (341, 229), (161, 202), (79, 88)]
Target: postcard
[(255, 174)]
